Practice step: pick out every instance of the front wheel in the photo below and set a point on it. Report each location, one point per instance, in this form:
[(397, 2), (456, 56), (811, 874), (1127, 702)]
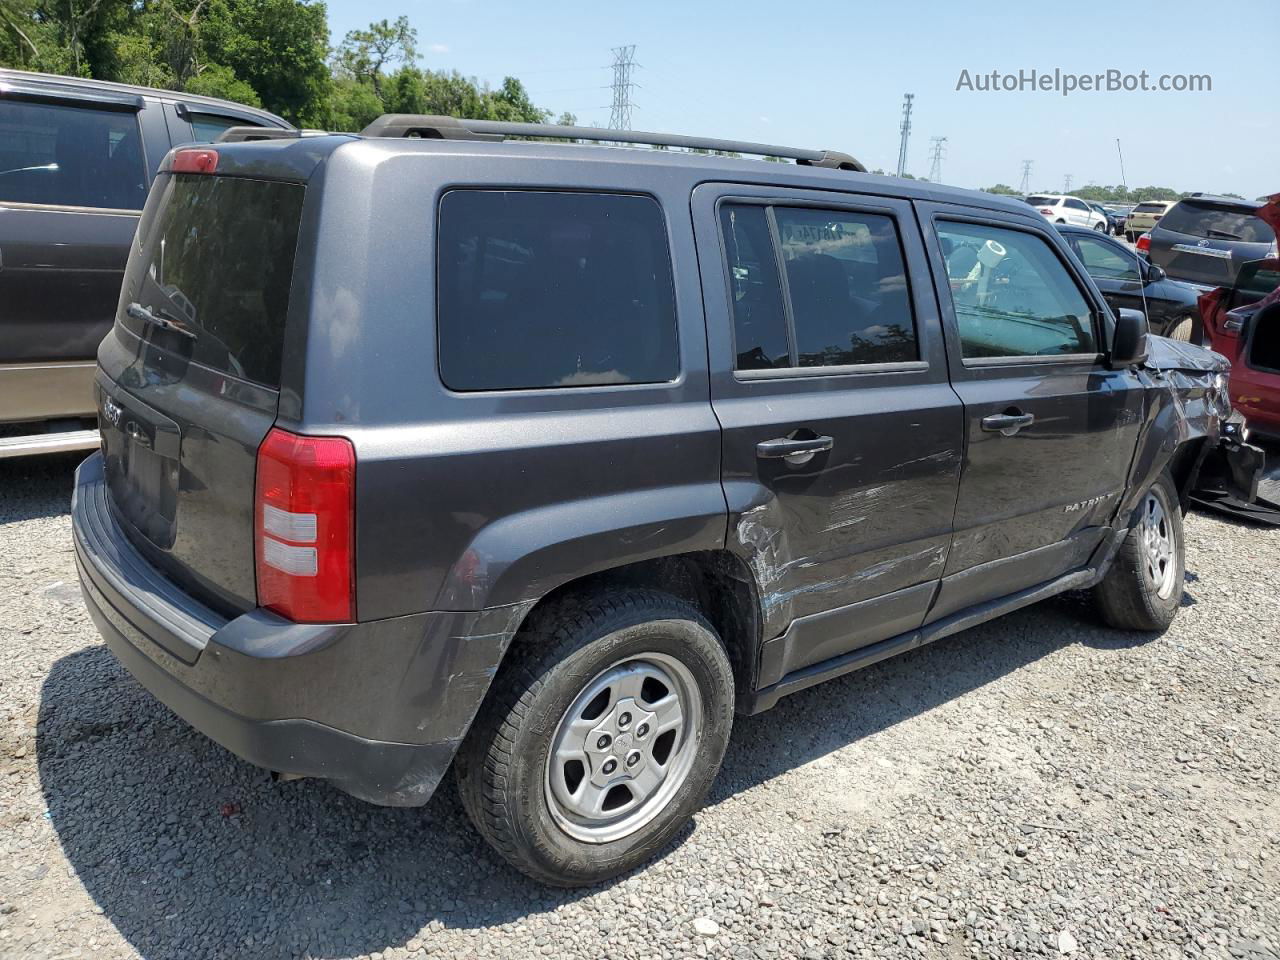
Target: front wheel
[(1182, 329), (1100, 226), (601, 736), (1143, 588)]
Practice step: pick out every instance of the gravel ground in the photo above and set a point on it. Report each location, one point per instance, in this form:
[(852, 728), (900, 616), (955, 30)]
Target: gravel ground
[(1038, 785)]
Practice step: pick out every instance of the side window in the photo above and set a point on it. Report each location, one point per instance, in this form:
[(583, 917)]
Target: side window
[(1076, 204), (759, 319), (545, 289), (845, 280), (206, 127), (1101, 259), (1012, 295), (71, 156)]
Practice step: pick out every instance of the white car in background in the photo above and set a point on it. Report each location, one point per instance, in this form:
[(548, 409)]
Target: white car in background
[(1066, 209)]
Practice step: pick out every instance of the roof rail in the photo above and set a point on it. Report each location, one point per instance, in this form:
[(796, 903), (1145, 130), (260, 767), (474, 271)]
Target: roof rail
[(453, 128), (247, 134)]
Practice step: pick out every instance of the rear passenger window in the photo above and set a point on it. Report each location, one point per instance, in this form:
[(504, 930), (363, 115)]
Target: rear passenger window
[(1012, 295), (543, 289), (845, 281), (71, 156)]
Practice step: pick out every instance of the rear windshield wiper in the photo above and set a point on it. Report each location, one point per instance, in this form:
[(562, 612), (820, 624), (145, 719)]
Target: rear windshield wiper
[(1223, 235), (139, 312)]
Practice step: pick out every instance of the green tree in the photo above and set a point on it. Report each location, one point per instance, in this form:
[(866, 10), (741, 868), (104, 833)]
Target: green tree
[(1001, 188), (364, 53)]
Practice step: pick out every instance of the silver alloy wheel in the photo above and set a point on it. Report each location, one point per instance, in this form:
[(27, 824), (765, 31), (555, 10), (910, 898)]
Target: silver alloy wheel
[(623, 748), (1157, 546)]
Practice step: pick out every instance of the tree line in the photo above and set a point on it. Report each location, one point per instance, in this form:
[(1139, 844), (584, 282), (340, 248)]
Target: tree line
[(266, 53)]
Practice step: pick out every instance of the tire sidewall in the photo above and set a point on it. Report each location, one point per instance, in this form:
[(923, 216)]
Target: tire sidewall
[(571, 860)]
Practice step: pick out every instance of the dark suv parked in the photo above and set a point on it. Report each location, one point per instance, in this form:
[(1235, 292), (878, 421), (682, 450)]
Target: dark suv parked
[(76, 160), (541, 459), (1206, 239)]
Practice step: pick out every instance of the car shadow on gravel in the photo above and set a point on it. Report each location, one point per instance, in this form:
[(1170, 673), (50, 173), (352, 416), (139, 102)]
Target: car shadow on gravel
[(191, 852), (32, 487)]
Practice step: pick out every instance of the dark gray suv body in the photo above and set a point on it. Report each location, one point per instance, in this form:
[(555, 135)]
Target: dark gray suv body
[(811, 414)]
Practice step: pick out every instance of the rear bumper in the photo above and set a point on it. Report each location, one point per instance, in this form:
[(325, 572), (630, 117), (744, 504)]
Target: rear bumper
[(377, 708)]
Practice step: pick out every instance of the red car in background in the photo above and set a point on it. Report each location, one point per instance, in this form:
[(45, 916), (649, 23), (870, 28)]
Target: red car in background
[(1242, 322)]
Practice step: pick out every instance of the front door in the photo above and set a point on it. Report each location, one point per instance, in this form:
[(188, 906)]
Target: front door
[(1114, 270), (841, 434), (1050, 430)]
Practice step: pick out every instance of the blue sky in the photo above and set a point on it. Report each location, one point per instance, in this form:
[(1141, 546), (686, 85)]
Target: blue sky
[(833, 75)]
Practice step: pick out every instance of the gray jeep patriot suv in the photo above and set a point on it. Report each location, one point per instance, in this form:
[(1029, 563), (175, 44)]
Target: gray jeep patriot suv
[(541, 460)]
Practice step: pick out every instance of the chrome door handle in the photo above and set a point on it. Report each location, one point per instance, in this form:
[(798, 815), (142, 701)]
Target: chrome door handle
[(1007, 424), (786, 447)]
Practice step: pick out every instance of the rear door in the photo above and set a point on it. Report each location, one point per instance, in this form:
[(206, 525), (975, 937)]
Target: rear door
[(841, 434), (1050, 432), (189, 377), (73, 178)]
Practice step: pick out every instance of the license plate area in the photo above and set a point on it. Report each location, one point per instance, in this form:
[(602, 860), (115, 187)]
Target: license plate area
[(141, 450)]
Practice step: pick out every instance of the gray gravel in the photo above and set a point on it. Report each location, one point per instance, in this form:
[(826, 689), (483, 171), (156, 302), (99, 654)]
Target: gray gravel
[(1036, 786)]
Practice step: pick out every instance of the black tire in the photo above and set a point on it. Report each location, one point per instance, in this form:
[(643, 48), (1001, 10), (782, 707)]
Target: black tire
[(1130, 596), (502, 768), (1100, 226)]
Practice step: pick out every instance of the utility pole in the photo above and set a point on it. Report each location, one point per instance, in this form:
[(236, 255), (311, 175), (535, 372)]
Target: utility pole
[(937, 151), (623, 63), (905, 130), (1066, 183), (1025, 187)]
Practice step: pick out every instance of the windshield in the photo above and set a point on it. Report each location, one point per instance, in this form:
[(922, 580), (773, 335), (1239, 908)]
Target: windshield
[(1217, 222)]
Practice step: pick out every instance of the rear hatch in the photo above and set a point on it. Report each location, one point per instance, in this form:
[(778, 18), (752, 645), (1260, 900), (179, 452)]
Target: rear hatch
[(189, 378), (1207, 241)]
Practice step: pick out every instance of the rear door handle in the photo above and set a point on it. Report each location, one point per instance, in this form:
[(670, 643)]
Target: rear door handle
[(785, 447), (1007, 424)]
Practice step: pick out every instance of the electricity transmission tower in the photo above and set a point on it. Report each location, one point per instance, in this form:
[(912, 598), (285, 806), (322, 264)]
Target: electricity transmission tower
[(623, 63), (1066, 182), (906, 133), (1025, 187), (937, 151)]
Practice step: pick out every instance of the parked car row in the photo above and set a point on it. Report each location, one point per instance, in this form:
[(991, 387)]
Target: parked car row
[(77, 158)]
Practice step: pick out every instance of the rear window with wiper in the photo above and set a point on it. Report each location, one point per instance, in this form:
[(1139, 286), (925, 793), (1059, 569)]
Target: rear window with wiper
[(214, 270), (1217, 222), (1044, 201)]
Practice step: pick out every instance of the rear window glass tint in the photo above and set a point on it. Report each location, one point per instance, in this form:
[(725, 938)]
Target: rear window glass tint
[(759, 319), (1217, 223), (71, 156), (547, 289), (217, 261), (848, 287), (1149, 208), (1044, 201)]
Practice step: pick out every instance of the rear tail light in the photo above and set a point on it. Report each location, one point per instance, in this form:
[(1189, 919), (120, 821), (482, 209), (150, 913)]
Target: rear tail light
[(304, 527), (1144, 243), (1047, 211), (194, 161)]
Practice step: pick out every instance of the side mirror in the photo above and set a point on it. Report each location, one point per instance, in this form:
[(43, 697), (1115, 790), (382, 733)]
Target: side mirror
[(1129, 345), (1155, 272)]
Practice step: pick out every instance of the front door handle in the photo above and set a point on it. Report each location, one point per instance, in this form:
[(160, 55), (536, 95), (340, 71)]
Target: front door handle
[(1007, 424), (785, 447)]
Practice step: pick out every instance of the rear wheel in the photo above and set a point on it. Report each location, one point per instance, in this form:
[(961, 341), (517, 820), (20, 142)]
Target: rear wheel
[(600, 738), (1100, 226), (1143, 588)]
